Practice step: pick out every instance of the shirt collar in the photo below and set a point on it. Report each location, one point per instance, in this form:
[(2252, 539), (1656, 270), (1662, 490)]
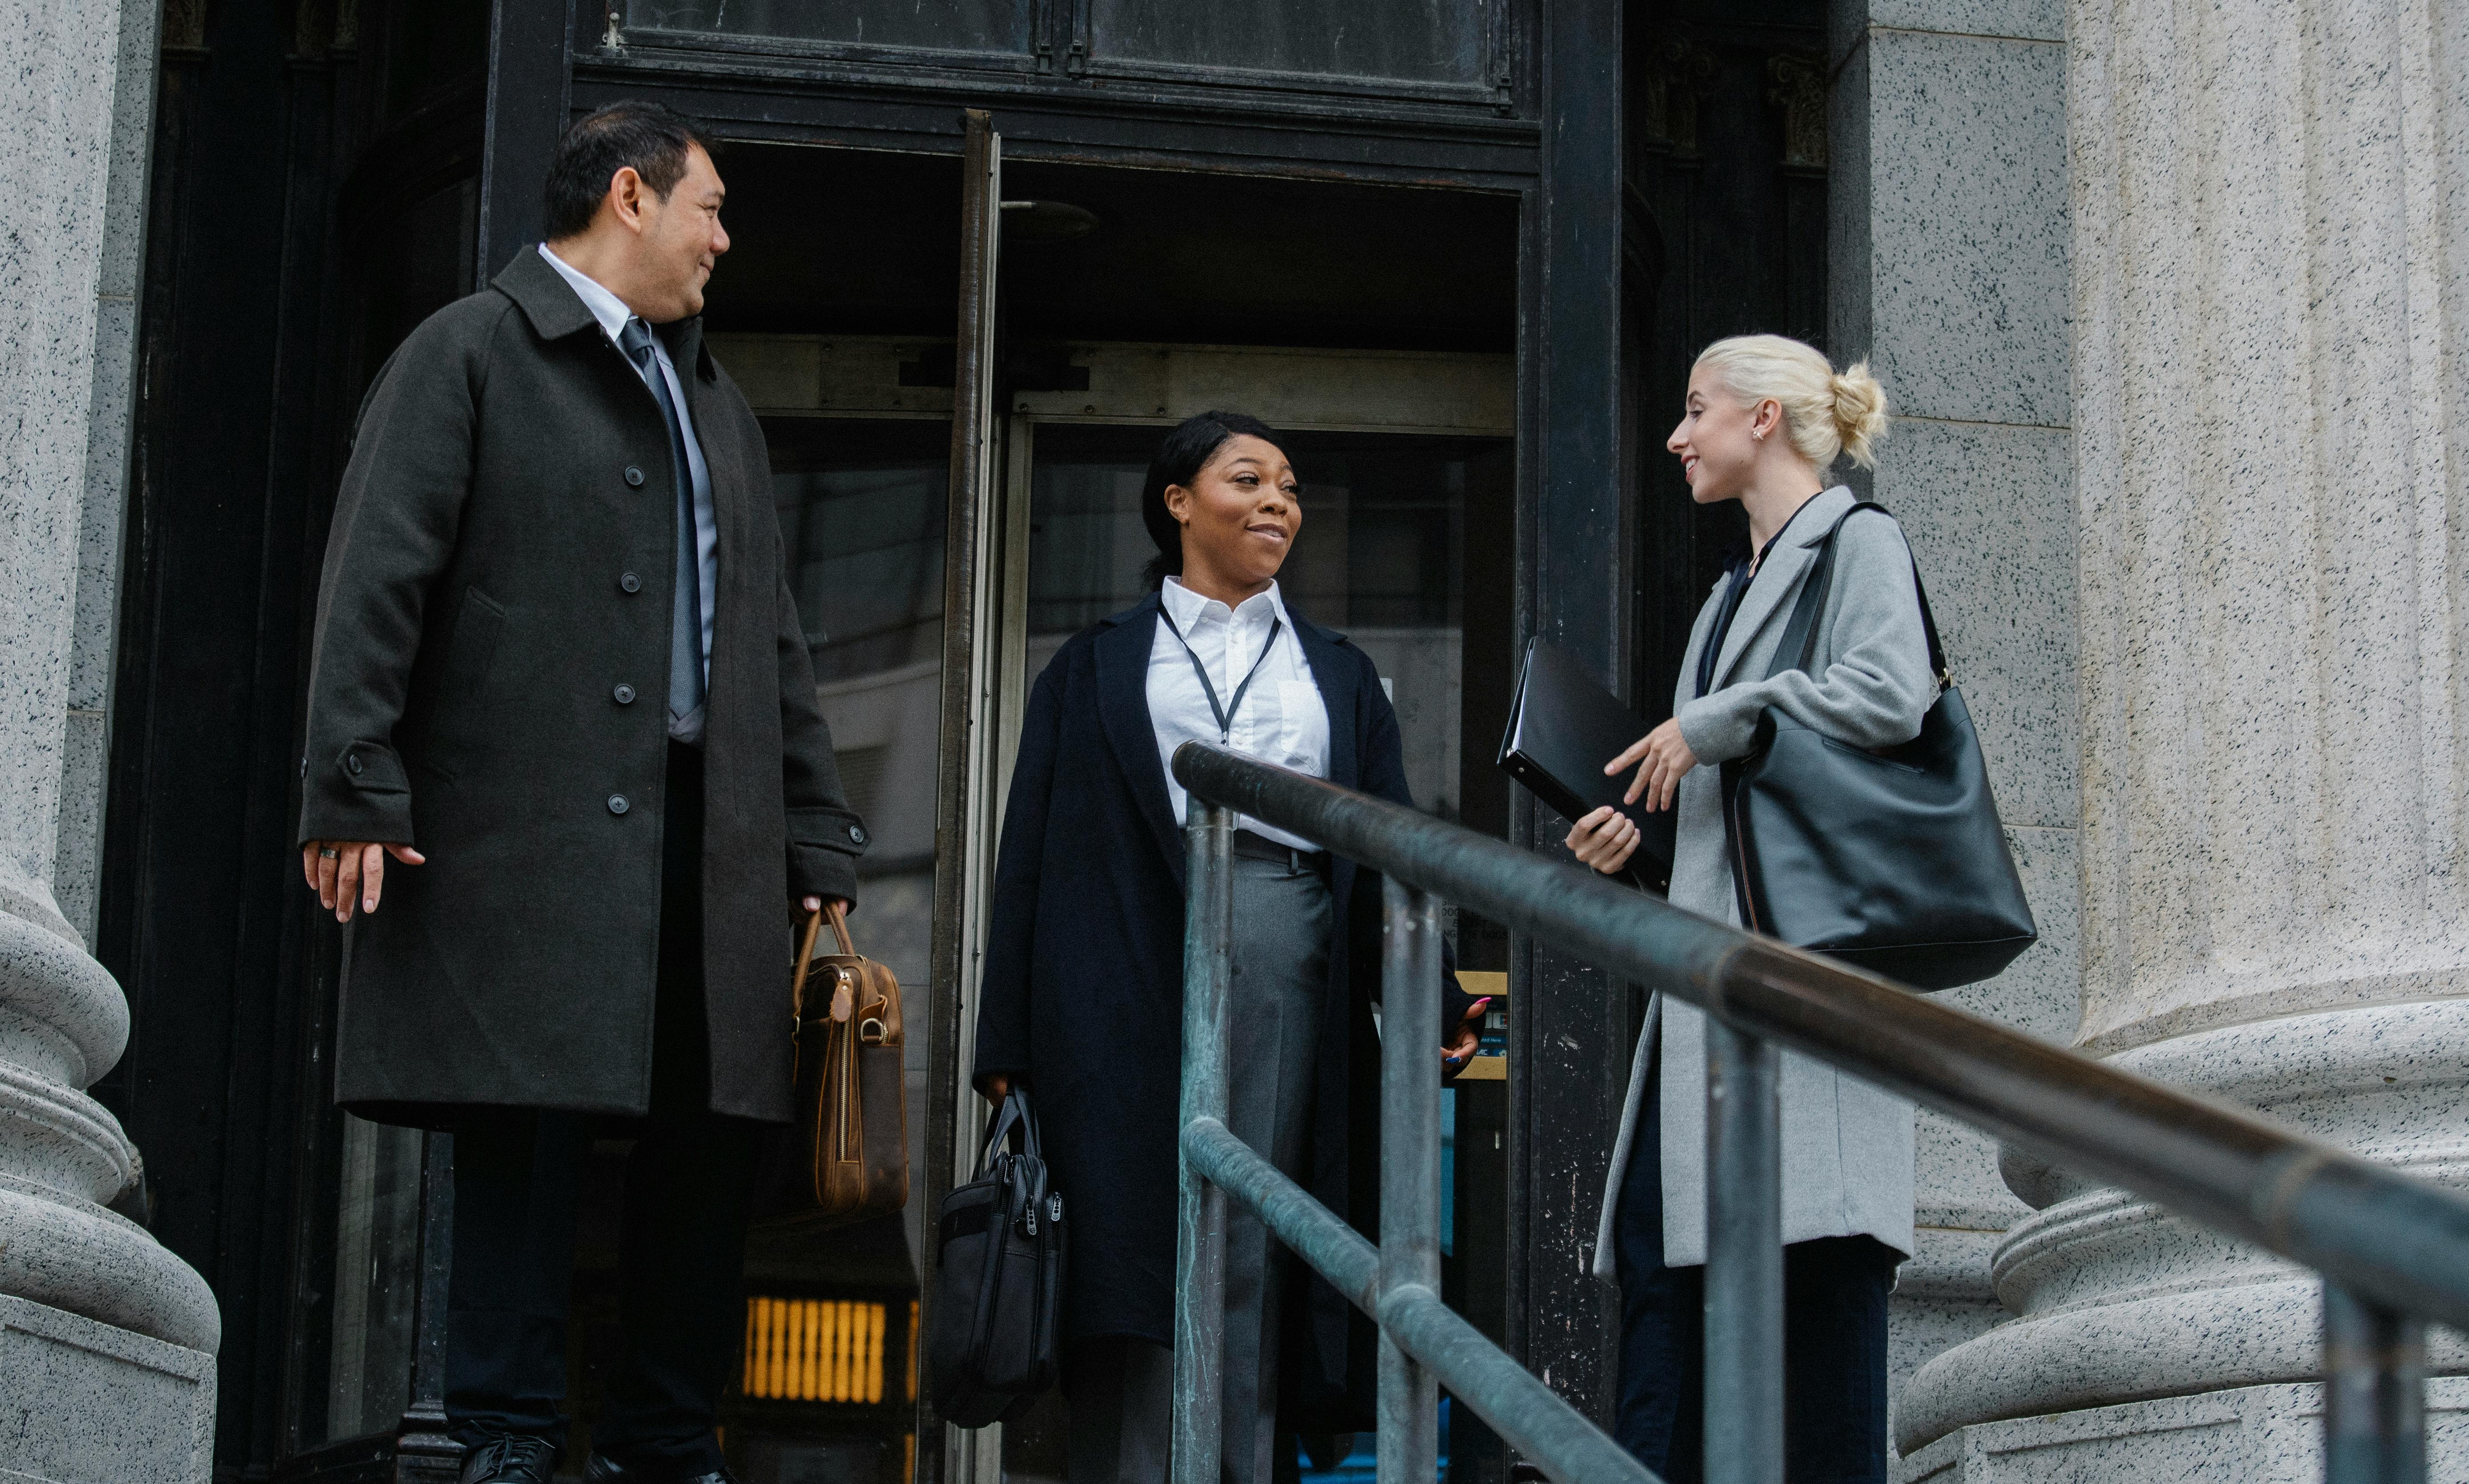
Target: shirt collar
[(1188, 608), (605, 306)]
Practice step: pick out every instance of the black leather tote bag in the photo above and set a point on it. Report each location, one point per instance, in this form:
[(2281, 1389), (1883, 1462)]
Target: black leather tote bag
[(1892, 859), (992, 1340)]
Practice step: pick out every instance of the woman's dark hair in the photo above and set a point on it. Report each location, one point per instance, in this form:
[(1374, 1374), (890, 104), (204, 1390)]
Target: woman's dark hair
[(1186, 452), (650, 137)]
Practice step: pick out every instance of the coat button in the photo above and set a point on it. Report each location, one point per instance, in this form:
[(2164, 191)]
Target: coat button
[(625, 695), (353, 764), (630, 582), (617, 803), (857, 834), (634, 477)]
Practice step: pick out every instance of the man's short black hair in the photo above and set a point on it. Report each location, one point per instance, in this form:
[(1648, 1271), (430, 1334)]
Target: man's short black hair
[(650, 137)]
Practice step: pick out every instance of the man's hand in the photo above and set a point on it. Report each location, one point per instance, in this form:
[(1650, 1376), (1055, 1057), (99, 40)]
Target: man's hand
[(351, 873), (1459, 1049), (1662, 755)]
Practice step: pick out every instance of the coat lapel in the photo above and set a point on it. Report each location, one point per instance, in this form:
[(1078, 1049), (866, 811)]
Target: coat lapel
[(1779, 577), (1124, 713)]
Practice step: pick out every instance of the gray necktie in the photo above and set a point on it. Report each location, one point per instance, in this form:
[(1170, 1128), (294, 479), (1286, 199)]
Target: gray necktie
[(685, 609)]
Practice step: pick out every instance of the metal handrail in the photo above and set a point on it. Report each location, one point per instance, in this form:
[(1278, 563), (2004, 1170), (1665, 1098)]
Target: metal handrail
[(2393, 1250)]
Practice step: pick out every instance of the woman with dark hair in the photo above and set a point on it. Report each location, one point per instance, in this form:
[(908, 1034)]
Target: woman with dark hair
[(1082, 998)]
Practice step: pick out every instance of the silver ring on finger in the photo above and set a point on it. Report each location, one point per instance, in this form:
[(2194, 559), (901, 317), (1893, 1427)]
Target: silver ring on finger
[(329, 853)]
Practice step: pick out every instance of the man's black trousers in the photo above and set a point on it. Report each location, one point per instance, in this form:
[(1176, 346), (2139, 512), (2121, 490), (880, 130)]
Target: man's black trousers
[(683, 1247)]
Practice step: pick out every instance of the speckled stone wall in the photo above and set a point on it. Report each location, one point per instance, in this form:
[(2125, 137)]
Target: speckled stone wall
[(106, 1340), (2269, 319), (1947, 184)]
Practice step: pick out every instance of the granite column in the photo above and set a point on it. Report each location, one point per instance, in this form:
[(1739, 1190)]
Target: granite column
[(2269, 335), (106, 1340)]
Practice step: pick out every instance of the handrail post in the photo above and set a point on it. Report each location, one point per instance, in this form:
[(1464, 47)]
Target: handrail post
[(1410, 1171), (1200, 1214), (1743, 1374), (2374, 1391)]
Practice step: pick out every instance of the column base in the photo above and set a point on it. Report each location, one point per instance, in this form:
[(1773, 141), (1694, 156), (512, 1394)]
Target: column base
[(87, 1402), (2245, 1435)]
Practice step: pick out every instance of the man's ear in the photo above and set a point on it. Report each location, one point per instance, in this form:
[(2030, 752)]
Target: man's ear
[(626, 196)]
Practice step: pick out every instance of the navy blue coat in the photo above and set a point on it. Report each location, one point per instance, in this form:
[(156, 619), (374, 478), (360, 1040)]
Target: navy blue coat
[(1082, 994)]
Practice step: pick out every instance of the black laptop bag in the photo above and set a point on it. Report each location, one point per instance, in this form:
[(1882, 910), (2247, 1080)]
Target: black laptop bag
[(992, 1347)]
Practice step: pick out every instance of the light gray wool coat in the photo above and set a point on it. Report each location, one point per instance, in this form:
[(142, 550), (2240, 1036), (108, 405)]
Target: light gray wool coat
[(1847, 1146)]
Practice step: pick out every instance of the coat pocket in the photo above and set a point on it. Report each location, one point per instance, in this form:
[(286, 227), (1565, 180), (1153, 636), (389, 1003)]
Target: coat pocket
[(456, 719), (473, 649)]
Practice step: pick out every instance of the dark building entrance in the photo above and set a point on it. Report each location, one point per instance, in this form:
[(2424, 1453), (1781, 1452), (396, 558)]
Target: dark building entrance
[(1462, 249)]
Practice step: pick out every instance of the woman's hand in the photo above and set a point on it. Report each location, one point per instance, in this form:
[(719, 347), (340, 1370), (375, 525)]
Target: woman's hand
[(1459, 1049), (1662, 757), (1605, 839), (994, 1087)]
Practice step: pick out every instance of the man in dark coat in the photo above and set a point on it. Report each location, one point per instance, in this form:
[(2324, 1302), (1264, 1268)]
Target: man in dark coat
[(561, 684)]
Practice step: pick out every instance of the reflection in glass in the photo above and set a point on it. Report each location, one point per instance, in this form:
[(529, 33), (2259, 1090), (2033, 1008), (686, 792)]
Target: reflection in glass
[(1405, 41), (376, 1272), (947, 25), (861, 508), (1380, 559)]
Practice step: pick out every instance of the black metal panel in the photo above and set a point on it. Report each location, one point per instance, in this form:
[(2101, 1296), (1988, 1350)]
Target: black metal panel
[(526, 110), (1569, 1022), (201, 908), (1727, 165)]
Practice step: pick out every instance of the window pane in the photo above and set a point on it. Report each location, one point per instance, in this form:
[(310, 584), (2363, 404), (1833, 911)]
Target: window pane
[(1407, 40), (377, 1278), (861, 504), (947, 25), (861, 507)]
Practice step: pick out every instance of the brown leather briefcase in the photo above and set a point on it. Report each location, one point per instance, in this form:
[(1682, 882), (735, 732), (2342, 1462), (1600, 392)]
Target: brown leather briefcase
[(849, 1144)]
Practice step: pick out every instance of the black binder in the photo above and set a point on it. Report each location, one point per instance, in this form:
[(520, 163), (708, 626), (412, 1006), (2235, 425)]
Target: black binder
[(1562, 728)]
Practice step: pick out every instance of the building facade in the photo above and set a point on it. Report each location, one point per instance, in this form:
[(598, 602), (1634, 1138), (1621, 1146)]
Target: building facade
[(2169, 300)]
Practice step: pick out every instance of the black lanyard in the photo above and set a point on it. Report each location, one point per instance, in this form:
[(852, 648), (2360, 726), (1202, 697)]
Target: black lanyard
[(1224, 715)]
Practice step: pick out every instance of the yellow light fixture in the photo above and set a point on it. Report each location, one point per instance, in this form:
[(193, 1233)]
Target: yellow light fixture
[(814, 1350)]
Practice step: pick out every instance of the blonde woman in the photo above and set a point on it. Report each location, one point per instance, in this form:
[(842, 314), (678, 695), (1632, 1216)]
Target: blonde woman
[(1767, 418)]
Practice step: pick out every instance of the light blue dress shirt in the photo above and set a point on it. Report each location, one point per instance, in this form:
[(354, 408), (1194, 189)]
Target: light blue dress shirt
[(612, 313)]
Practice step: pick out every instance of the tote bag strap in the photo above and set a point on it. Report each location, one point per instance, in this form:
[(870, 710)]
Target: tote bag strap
[(1798, 650)]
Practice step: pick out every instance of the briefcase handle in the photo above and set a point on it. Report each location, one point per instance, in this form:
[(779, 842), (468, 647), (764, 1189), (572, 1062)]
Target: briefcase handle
[(838, 916)]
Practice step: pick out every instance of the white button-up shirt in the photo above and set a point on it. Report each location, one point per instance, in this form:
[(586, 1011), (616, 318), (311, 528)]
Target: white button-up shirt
[(612, 313), (1282, 719)]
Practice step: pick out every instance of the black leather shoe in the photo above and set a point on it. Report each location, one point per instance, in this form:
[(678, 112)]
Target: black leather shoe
[(600, 1469), (512, 1459)]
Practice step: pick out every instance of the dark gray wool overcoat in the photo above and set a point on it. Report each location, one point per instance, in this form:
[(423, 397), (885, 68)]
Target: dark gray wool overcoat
[(489, 686)]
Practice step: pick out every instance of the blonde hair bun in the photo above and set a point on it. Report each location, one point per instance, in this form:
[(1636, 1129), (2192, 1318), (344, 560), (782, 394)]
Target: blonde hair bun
[(1827, 413), (1860, 412)]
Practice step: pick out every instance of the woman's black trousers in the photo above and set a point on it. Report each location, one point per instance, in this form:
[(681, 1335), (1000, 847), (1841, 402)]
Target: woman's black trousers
[(1834, 1341)]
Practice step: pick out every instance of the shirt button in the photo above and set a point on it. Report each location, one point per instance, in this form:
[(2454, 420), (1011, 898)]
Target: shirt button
[(630, 582), (617, 803), (634, 477), (625, 695)]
